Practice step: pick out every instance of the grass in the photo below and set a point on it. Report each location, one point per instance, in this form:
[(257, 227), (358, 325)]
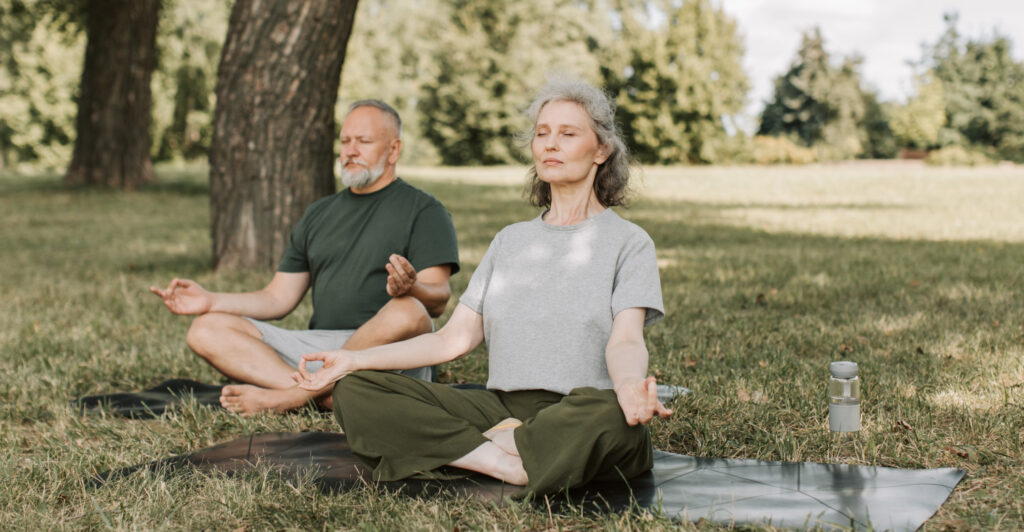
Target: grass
[(768, 274)]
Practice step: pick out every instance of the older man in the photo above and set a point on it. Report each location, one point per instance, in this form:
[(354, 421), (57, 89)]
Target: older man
[(377, 255)]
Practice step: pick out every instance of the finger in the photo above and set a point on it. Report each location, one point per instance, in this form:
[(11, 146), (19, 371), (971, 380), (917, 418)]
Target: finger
[(308, 357), (663, 411), (391, 287), (652, 393), (393, 276), (156, 291), (397, 269), (406, 266)]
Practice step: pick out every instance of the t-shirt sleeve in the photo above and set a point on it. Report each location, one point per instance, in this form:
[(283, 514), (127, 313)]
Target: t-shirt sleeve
[(433, 242), (637, 284), (295, 259), (475, 293)]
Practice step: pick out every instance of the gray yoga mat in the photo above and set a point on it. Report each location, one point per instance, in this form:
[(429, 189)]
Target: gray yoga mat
[(729, 491)]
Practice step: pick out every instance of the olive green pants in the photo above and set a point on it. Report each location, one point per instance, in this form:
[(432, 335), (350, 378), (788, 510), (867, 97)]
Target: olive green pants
[(404, 427)]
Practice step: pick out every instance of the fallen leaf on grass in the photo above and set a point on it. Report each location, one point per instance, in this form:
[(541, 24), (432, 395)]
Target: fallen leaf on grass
[(762, 363), (902, 426), (689, 362), (756, 397), (845, 348), (953, 450)]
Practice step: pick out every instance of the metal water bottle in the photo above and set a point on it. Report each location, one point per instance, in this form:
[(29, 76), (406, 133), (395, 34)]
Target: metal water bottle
[(844, 397)]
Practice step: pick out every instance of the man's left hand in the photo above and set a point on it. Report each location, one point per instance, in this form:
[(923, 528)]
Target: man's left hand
[(401, 276)]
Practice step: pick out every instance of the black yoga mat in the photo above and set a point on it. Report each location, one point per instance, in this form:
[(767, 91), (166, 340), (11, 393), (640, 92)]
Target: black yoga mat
[(797, 495), (154, 401)]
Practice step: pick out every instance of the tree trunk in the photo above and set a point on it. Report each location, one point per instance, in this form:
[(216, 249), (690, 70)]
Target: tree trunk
[(112, 140), (272, 149)]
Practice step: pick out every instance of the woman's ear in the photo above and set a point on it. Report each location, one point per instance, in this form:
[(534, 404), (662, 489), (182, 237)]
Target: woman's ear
[(602, 154)]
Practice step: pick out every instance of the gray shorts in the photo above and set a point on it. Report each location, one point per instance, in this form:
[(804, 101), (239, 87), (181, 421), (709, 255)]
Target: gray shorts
[(291, 345)]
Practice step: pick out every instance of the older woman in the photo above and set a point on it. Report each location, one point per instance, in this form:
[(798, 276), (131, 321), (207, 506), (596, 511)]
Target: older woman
[(561, 301)]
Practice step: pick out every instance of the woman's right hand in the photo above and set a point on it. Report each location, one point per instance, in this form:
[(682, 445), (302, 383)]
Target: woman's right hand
[(337, 364)]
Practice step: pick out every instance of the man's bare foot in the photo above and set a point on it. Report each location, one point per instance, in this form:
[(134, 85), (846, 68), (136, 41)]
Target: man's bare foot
[(503, 435), (246, 399)]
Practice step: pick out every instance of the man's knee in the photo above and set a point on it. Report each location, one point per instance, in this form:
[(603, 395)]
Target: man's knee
[(409, 314), (207, 330)]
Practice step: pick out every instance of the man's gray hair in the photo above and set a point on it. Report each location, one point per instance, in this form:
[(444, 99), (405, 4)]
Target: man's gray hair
[(390, 111), (612, 181)]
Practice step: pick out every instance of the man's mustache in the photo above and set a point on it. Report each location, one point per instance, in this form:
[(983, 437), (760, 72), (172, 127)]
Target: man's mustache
[(360, 162)]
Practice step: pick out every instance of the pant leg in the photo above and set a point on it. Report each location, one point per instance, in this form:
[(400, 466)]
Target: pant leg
[(404, 427), (581, 438)]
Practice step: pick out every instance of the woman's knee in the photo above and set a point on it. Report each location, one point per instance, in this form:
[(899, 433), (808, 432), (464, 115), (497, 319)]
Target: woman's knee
[(352, 392)]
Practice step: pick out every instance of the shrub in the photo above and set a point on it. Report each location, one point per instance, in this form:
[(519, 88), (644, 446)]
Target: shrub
[(956, 155), (780, 150)]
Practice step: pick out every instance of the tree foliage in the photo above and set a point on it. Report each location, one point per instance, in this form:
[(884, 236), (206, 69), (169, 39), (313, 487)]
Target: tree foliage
[(676, 83), (39, 77), (983, 90), (490, 56), (188, 48), (917, 123), (817, 103)]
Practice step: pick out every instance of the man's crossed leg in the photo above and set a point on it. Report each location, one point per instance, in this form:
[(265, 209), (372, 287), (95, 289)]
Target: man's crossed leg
[(264, 357)]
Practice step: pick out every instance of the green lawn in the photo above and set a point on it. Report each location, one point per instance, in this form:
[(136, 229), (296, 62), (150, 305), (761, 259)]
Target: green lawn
[(916, 273)]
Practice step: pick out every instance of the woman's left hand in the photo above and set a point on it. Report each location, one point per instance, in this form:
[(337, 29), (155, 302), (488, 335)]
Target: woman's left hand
[(639, 401)]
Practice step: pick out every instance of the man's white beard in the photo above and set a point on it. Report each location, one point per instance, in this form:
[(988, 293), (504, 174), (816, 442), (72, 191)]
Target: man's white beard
[(362, 178)]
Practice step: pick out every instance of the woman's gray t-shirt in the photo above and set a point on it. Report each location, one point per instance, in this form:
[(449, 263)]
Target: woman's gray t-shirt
[(548, 295)]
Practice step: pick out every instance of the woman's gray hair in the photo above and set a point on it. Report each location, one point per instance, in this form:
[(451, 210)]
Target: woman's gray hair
[(611, 183)]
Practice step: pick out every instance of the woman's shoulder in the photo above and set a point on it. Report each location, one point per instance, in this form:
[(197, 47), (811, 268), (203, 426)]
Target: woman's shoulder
[(628, 229)]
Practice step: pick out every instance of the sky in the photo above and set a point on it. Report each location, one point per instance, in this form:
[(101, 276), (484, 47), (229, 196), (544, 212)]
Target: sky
[(887, 33)]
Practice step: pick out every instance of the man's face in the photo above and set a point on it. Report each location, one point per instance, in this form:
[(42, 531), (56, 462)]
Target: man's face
[(367, 143)]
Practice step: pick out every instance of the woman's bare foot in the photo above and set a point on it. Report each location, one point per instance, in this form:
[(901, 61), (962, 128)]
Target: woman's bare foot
[(246, 399), (503, 435), (490, 460)]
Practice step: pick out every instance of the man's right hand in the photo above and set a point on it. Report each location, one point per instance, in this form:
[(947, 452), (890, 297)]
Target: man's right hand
[(184, 296)]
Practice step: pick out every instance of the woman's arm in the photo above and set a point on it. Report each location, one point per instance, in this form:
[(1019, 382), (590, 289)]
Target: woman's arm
[(626, 356), (463, 332)]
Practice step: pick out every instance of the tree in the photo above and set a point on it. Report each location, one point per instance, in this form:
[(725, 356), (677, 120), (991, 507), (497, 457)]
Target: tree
[(877, 137), (188, 48), (272, 149), (917, 123), (816, 103), (112, 126), (679, 82), (491, 56), (983, 89)]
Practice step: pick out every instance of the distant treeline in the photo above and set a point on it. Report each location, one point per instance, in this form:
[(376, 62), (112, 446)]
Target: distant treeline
[(460, 72)]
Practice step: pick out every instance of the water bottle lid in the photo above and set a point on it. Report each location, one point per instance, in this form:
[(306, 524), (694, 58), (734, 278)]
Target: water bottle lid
[(843, 369)]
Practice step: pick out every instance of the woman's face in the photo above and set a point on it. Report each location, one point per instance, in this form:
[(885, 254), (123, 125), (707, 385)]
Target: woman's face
[(565, 147)]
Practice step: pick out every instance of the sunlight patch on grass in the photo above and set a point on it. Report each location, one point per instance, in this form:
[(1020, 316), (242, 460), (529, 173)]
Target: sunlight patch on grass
[(974, 400), (891, 325), (891, 200)]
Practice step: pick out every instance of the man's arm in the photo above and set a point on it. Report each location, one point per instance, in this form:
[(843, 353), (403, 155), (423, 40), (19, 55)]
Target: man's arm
[(429, 285), (274, 301)]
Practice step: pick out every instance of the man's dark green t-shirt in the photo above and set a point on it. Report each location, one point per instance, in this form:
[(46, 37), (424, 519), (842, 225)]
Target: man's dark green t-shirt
[(345, 240)]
